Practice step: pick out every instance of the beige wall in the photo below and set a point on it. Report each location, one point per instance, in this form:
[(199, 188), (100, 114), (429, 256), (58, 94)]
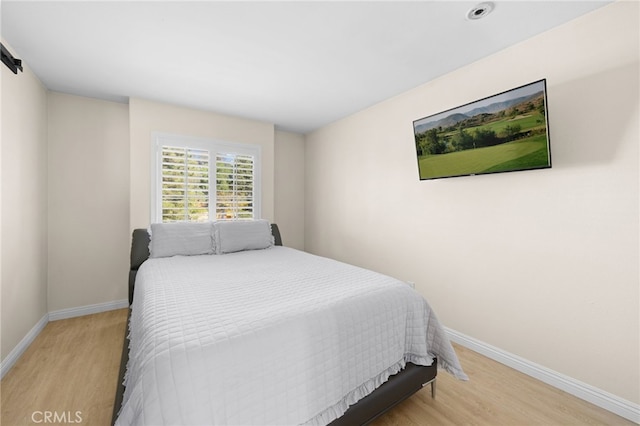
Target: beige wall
[(23, 227), (88, 201), (70, 247), (542, 264), (289, 188), (146, 117)]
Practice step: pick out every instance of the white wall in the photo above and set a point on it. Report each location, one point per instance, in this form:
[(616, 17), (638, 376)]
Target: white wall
[(146, 117), (542, 264), (289, 188), (88, 190), (23, 226)]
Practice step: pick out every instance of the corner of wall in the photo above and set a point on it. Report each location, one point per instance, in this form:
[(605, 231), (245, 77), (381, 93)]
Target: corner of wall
[(289, 187), (23, 231)]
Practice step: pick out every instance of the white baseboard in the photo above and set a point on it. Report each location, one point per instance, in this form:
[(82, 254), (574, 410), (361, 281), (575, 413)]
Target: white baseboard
[(17, 352), (88, 310), (595, 396)]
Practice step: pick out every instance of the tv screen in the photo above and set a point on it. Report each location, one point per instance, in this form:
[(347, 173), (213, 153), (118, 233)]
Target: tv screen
[(501, 133)]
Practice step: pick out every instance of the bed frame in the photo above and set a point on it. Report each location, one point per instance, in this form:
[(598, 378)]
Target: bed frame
[(398, 388)]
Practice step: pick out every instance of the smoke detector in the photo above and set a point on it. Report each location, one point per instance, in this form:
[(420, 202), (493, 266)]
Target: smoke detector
[(480, 11)]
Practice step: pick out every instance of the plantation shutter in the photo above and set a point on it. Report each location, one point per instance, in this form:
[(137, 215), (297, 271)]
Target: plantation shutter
[(185, 184), (235, 186), (198, 180)]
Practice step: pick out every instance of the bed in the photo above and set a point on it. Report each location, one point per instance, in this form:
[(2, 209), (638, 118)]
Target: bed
[(269, 335)]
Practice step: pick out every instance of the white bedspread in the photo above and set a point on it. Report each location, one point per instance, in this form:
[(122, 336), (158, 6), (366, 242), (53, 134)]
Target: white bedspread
[(268, 337)]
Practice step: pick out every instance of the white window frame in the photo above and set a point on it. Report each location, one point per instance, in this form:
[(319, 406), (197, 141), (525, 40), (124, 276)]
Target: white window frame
[(158, 140)]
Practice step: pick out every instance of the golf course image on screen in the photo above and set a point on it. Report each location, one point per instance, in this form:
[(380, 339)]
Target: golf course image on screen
[(504, 132)]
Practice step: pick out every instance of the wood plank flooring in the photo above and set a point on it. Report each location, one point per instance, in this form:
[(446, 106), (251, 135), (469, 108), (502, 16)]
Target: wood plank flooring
[(495, 395), (72, 366)]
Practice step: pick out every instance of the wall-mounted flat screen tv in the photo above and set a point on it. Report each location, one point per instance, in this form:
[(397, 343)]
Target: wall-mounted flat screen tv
[(501, 133)]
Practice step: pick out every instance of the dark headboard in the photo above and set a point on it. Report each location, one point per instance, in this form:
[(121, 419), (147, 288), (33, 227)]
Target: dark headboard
[(140, 252)]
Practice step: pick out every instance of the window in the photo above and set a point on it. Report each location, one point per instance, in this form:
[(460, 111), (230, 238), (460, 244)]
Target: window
[(200, 180), (185, 184), (234, 186)]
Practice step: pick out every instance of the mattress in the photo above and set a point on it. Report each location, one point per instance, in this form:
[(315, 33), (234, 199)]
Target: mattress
[(269, 337)]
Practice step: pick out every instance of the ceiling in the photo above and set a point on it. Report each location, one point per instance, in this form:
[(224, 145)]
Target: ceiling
[(299, 65)]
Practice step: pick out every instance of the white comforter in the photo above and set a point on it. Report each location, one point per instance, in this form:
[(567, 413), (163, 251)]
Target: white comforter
[(268, 337)]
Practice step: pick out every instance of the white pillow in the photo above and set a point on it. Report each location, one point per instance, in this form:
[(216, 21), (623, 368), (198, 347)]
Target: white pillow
[(237, 235), (181, 238)]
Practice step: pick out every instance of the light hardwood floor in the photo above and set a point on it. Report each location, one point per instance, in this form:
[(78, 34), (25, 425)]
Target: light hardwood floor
[(495, 395), (72, 366)]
